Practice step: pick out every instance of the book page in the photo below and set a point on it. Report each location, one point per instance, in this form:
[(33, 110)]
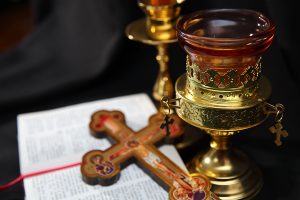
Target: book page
[(59, 137)]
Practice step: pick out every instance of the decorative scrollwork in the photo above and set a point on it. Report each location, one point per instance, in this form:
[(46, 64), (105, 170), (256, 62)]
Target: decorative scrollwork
[(214, 95), (232, 78), (212, 118)]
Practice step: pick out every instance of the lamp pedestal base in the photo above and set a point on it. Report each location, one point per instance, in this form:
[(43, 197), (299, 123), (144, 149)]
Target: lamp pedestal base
[(232, 175)]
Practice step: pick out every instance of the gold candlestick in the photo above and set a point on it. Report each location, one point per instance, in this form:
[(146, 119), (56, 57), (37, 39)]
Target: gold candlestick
[(223, 92), (158, 29)]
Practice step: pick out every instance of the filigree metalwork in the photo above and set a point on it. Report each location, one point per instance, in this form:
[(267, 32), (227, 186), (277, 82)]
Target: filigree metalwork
[(231, 79), (195, 88), (212, 118)]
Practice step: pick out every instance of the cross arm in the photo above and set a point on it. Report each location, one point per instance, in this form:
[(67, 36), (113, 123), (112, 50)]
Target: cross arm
[(111, 123)]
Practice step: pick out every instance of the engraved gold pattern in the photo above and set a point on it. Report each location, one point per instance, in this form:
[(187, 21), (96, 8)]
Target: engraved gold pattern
[(230, 79), (209, 118), (198, 90)]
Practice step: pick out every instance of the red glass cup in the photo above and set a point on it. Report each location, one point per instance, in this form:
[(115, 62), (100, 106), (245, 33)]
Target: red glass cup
[(224, 46)]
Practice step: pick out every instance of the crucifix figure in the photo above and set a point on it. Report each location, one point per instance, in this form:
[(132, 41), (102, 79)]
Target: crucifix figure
[(103, 167), (278, 130)]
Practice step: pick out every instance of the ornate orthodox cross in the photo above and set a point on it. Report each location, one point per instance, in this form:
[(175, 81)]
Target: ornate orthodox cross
[(278, 130), (103, 167)]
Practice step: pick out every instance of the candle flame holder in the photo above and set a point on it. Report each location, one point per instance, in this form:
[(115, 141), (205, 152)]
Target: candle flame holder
[(223, 92), (158, 29)]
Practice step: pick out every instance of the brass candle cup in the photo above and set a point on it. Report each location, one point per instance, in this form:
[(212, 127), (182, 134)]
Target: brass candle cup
[(224, 92), (161, 17)]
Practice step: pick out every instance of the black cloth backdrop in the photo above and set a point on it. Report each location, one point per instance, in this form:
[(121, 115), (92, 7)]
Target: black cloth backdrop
[(78, 52)]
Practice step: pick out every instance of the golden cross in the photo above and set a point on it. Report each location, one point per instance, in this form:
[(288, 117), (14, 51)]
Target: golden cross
[(278, 130)]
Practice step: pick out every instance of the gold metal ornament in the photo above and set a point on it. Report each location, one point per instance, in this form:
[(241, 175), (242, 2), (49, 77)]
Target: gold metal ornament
[(223, 93), (158, 29)]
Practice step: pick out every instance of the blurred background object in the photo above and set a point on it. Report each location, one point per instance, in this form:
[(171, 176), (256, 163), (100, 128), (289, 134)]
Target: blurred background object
[(16, 22)]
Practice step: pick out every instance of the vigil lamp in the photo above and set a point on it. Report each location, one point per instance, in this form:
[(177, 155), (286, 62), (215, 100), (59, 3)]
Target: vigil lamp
[(223, 92)]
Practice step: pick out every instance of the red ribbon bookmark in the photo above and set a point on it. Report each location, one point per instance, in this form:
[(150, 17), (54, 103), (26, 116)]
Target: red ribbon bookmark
[(23, 176)]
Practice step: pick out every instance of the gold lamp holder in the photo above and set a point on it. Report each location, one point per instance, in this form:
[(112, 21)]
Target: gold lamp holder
[(158, 29), (223, 93)]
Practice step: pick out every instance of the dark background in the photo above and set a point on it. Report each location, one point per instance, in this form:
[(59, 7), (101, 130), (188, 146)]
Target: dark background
[(77, 51)]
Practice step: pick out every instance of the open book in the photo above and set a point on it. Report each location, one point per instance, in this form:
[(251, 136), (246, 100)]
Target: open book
[(60, 137)]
